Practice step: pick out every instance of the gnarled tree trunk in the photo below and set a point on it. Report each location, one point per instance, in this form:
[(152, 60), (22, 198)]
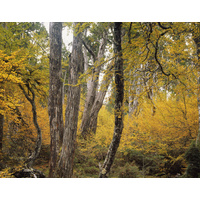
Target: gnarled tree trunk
[(119, 82), (38, 142)]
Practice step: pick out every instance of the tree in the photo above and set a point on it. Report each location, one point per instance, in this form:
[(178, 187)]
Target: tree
[(7, 75), (55, 94), (21, 63), (1, 131), (119, 84), (196, 37), (65, 165), (94, 98), (31, 99)]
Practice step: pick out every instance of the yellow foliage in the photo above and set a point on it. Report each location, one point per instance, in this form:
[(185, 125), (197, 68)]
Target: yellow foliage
[(103, 136), (172, 127)]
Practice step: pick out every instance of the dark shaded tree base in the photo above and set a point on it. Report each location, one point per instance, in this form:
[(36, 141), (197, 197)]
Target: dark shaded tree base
[(28, 173)]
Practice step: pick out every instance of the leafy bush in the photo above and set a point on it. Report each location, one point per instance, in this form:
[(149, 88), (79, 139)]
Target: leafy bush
[(129, 171), (147, 163), (193, 158), (92, 170)]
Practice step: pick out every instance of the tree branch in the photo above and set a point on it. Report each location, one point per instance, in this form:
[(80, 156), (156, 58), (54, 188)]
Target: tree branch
[(25, 93), (89, 49), (163, 27), (156, 54), (129, 33), (160, 65)]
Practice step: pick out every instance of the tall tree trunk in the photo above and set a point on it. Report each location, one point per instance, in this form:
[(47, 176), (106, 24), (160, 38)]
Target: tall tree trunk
[(55, 95), (1, 125), (197, 41), (65, 165), (1, 131), (134, 92), (91, 124), (131, 90), (63, 87), (90, 99), (119, 82), (92, 86)]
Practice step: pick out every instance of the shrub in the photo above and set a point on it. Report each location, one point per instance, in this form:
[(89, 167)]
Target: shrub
[(147, 163), (129, 171), (92, 170), (193, 158)]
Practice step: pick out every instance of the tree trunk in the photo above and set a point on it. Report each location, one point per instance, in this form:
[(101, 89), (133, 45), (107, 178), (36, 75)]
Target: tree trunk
[(149, 86), (197, 41), (1, 125), (135, 90), (1, 131), (38, 143), (90, 99), (119, 82), (92, 96), (65, 165), (63, 87), (91, 124), (55, 95)]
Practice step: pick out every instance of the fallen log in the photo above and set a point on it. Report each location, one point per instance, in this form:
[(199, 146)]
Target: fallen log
[(29, 173)]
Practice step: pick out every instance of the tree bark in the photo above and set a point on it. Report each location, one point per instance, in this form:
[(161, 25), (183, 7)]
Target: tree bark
[(197, 42), (91, 124), (134, 92), (65, 165), (1, 131), (55, 95), (149, 86), (119, 82), (1, 125), (38, 143), (93, 95)]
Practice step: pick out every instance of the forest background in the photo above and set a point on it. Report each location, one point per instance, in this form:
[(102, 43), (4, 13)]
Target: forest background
[(116, 20)]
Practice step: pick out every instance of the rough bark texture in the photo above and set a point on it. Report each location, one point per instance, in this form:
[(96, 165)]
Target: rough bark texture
[(93, 95), (65, 165), (90, 99), (97, 106), (1, 124), (55, 95), (91, 124), (38, 143), (119, 82), (1, 131), (29, 173), (134, 92), (197, 41)]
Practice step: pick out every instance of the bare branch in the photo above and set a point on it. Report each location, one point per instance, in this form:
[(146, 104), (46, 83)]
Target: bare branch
[(129, 33), (156, 54), (89, 49), (25, 93), (163, 27)]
